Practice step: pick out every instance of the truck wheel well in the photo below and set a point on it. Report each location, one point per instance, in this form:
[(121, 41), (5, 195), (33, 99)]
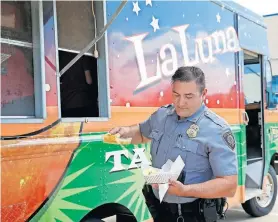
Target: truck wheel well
[(108, 210)]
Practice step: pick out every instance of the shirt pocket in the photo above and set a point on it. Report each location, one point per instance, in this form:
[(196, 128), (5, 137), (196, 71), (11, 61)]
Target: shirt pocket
[(196, 159), (156, 138)]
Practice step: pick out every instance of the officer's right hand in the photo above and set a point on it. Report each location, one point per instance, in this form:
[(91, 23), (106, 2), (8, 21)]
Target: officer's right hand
[(122, 131)]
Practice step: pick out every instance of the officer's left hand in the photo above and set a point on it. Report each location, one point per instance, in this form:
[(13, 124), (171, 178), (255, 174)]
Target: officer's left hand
[(155, 186), (176, 188)]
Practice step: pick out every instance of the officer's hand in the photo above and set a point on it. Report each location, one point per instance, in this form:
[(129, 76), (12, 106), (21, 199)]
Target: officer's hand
[(122, 131), (176, 188)]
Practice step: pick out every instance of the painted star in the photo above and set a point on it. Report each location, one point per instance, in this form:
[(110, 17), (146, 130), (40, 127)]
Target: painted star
[(149, 2), (136, 8), (154, 24), (218, 17)]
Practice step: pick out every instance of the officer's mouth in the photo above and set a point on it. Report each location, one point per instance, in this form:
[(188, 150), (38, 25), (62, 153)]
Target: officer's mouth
[(182, 109)]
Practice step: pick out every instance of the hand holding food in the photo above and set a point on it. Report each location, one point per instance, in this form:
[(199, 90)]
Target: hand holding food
[(115, 139), (122, 132)]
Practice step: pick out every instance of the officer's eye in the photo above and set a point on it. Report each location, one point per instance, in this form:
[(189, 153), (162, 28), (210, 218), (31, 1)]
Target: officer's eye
[(190, 96)]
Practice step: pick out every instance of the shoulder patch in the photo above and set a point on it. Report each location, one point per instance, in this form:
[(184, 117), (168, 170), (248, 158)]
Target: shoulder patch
[(215, 118), (229, 139)]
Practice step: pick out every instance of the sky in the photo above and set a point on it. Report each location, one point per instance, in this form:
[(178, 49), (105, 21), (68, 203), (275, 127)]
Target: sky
[(261, 7)]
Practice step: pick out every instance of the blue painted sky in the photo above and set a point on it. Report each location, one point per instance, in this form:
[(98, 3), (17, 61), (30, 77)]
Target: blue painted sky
[(200, 15), (169, 13)]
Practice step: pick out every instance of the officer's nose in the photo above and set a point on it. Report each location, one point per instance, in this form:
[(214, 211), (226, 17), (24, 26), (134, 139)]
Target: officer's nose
[(182, 102)]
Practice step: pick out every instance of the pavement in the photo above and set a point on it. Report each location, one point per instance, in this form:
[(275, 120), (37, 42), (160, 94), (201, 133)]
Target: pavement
[(238, 214)]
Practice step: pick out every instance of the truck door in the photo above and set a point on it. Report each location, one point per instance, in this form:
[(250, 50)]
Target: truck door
[(253, 118)]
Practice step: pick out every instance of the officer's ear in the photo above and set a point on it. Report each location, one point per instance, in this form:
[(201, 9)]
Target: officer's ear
[(204, 94)]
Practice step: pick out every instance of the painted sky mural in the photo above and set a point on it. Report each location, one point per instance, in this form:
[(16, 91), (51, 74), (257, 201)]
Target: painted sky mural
[(150, 40)]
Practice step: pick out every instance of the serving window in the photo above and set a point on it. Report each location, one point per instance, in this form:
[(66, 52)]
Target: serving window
[(22, 67), (84, 86)]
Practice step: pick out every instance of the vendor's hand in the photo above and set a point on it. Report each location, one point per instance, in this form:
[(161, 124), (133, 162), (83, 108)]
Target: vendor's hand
[(176, 188)]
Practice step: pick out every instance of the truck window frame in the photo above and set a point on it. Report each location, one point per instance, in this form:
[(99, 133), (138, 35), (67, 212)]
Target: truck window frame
[(38, 68), (270, 94), (102, 69)]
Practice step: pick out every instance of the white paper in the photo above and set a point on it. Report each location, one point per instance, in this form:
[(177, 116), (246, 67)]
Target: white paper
[(174, 168), (169, 170), (177, 166), (162, 189), (167, 166)]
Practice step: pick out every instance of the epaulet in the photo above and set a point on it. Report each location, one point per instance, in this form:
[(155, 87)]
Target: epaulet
[(215, 118), (167, 106), (164, 108), (169, 109)]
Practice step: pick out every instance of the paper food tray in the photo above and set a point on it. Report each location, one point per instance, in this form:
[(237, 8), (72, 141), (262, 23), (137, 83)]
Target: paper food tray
[(160, 178), (170, 170), (154, 175)]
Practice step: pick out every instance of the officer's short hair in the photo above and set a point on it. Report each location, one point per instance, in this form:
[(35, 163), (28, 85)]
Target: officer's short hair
[(190, 73)]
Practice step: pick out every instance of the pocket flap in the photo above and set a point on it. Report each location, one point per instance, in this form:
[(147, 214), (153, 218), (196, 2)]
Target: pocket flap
[(156, 135), (192, 146)]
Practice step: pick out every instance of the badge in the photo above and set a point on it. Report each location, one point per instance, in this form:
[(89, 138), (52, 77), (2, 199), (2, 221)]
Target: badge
[(229, 139), (191, 133), (195, 127)]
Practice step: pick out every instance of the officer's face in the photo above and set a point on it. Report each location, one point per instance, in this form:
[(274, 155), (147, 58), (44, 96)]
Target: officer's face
[(187, 98)]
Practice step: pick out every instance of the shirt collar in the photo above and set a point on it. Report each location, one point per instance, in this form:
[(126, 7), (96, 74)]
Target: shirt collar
[(193, 118)]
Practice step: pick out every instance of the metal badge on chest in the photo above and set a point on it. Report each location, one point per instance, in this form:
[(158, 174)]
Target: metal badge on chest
[(192, 131)]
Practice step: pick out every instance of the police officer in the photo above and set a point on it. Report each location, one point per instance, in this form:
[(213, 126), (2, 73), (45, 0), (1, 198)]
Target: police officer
[(203, 140)]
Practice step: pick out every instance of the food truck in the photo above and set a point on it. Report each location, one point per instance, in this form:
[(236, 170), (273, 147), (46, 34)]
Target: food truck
[(271, 21), (72, 70)]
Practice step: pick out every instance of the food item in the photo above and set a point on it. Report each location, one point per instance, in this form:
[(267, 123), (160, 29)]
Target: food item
[(170, 170), (109, 138), (115, 139), (150, 171)]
